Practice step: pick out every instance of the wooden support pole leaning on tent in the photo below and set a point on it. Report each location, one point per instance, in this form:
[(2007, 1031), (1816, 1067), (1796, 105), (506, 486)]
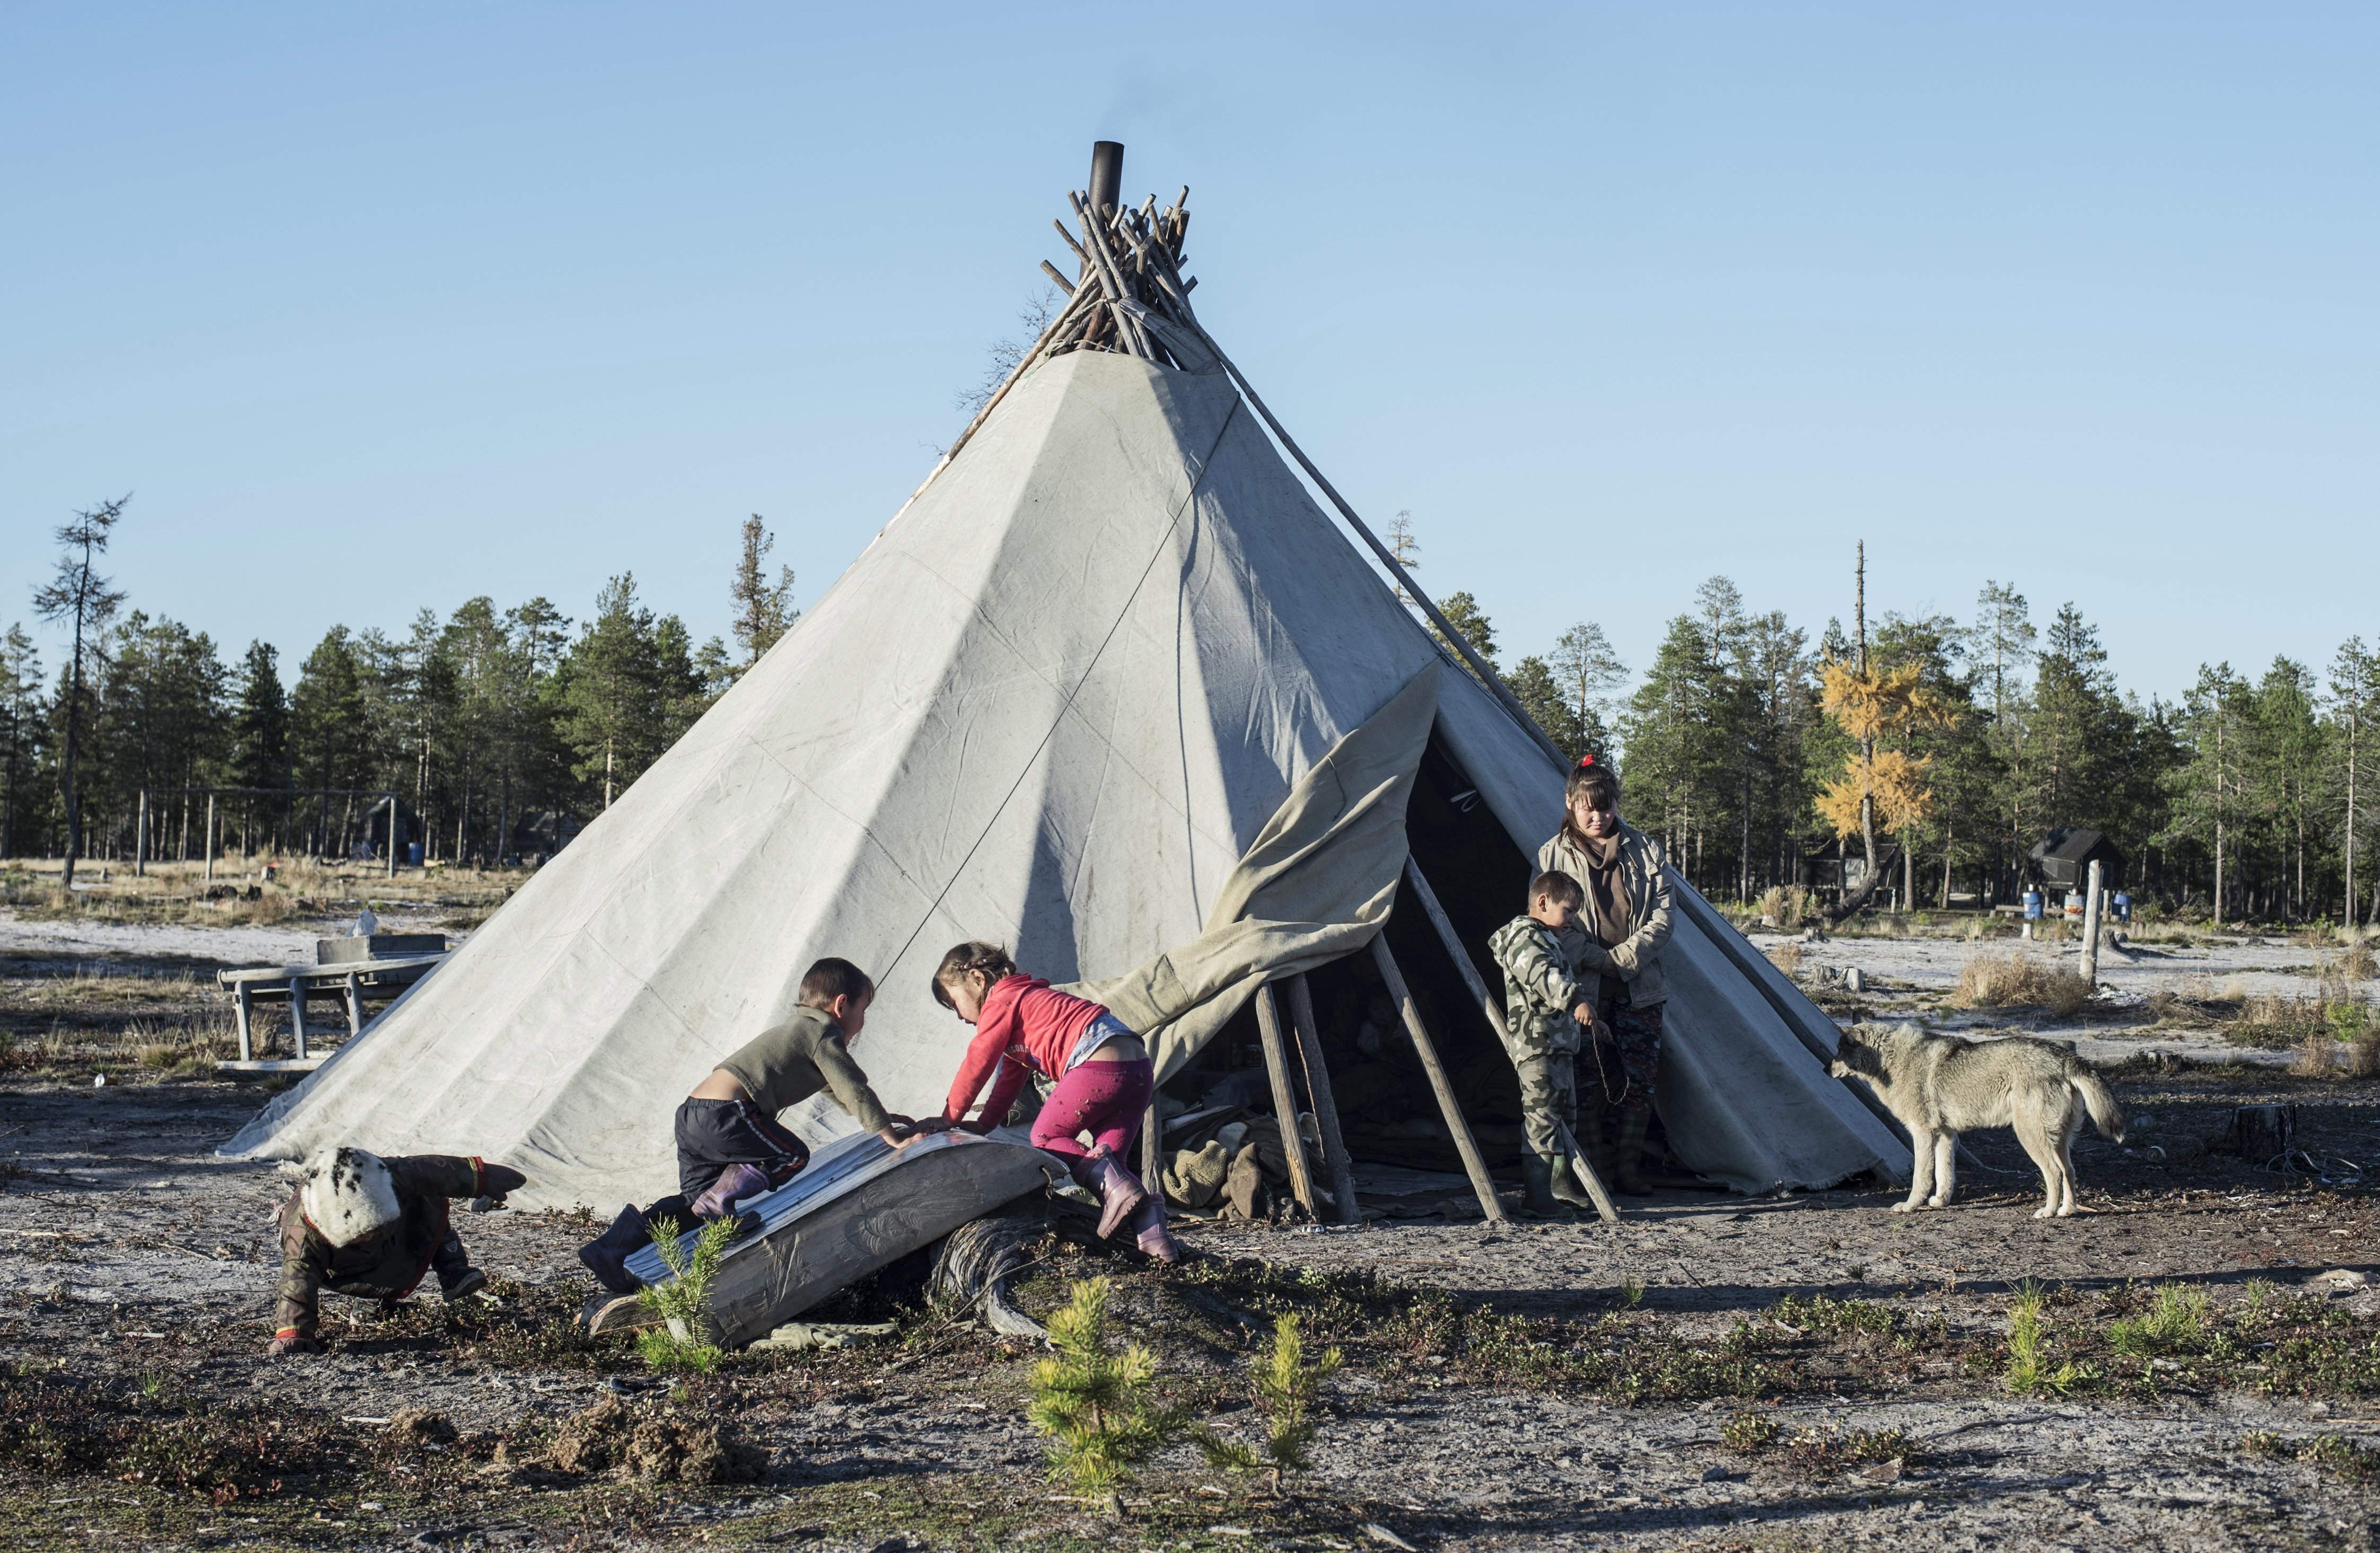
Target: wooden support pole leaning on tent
[(1285, 1099), (1326, 1104), (1472, 1166), (1472, 979)]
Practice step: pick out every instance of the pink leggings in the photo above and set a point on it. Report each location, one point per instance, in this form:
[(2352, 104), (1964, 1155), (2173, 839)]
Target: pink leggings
[(1105, 1100)]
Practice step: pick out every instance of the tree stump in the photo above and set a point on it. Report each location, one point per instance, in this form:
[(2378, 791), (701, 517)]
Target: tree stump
[(2262, 1133)]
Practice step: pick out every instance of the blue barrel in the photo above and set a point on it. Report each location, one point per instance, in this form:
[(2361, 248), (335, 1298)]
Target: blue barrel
[(2032, 905), (413, 853), (2123, 905)]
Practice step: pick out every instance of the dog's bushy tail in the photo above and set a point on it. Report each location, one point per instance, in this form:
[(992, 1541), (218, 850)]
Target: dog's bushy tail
[(2106, 1114)]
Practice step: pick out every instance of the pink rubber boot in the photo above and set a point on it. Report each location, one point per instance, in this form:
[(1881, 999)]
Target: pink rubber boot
[(1120, 1192), (1151, 1233)]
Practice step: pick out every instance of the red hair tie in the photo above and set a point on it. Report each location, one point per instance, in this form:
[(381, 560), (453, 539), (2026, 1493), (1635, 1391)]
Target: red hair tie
[(1585, 761)]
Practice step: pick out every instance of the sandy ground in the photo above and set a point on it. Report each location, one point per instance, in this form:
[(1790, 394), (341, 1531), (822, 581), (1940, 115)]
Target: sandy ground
[(2113, 1029), (136, 946), (1533, 1386)]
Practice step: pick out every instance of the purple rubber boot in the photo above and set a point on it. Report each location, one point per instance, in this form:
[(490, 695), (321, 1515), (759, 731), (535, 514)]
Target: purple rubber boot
[(736, 1181), (1151, 1235), (1120, 1192)]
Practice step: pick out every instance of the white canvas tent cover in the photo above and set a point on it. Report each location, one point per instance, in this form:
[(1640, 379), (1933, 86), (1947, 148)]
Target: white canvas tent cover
[(1112, 690)]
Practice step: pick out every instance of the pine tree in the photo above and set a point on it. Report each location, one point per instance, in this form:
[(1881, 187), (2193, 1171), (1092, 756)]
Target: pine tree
[(764, 611), (21, 715), (2209, 796), (2286, 760), (1097, 1406), (1589, 671), (85, 602), (1671, 763), (2354, 706), (610, 689), (1534, 685), (1462, 613), (330, 744), (261, 735), (1999, 645), (628, 689)]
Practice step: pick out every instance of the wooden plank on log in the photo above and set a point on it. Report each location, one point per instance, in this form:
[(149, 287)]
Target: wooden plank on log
[(1326, 1104), (1464, 1145), (1285, 1099), (1603, 1207)]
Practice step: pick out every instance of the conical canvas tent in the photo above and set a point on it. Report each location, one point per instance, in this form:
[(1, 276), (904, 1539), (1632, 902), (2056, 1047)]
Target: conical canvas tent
[(1111, 689)]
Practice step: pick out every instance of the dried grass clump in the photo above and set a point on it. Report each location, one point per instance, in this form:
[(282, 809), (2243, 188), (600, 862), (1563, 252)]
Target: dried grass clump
[(1787, 904), (2007, 980), (2317, 1056), (2355, 962), (1786, 957), (2362, 1058)]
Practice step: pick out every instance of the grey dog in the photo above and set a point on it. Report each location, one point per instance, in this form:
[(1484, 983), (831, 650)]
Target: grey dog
[(1938, 1087)]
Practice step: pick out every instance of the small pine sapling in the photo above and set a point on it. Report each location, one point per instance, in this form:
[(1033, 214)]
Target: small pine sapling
[(1287, 1388), (1095, 1404), (2029, 1372), (684, 1303)]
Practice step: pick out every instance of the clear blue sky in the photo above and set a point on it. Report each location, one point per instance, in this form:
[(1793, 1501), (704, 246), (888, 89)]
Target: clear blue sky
[(376, 307)]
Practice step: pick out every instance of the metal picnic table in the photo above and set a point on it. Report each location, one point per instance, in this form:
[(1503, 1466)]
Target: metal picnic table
[(380, 977)]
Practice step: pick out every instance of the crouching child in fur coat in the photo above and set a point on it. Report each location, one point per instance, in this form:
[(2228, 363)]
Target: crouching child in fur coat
[(369, 1228)]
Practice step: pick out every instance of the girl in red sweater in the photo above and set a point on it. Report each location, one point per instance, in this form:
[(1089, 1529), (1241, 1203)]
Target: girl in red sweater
[(1024, 1025)]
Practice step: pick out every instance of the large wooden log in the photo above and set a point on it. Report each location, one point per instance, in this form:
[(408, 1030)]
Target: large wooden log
[(858, 1207), (1603, 1207), (1326, 1104), (1464, 1145), (1284, 1098)]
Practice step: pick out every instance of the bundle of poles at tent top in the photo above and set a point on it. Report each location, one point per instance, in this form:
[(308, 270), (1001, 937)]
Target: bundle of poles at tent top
[(1130, 296)]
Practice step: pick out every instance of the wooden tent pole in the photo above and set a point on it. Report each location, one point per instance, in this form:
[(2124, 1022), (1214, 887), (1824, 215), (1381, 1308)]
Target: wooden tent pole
[(1604, 1209), (1152, 1146), (1326, 1104), (1454, 638), (1472, 1166), (1285, 1099)]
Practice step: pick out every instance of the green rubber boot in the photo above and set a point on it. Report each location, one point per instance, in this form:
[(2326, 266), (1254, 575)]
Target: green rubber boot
[(1566, 1187), (1538, 1179)]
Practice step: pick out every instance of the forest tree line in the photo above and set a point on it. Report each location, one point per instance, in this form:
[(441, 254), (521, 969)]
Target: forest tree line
[(2262, 789), (500, 729)]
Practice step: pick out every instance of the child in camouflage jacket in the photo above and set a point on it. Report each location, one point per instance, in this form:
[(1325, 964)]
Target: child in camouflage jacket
[(1549, 1013)]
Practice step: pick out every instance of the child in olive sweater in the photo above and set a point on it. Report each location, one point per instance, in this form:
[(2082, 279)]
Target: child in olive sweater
[(730, 1144)]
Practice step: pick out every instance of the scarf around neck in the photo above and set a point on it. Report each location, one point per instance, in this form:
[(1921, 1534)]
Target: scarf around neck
[(1605, 884)]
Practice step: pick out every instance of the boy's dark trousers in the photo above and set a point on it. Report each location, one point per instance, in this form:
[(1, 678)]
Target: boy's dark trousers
[(713, 1134)]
